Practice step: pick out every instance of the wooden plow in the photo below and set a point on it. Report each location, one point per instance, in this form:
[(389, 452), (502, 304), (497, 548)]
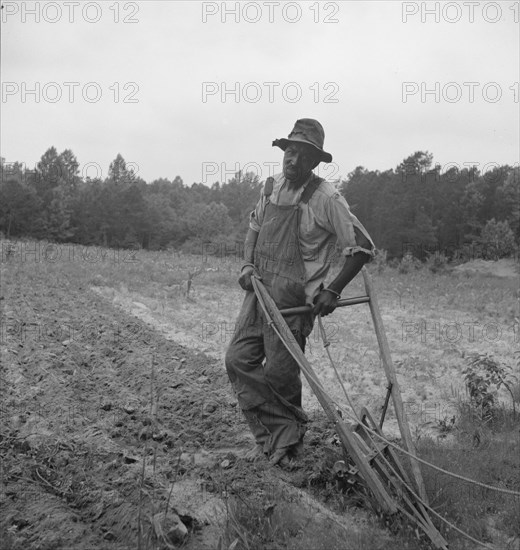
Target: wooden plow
[(375, 464)]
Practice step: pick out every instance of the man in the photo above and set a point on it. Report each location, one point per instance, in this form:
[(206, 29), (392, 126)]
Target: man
[(291, 241)]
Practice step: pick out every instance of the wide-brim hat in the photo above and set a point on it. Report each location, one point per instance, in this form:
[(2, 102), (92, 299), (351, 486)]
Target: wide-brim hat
[(306, 130)]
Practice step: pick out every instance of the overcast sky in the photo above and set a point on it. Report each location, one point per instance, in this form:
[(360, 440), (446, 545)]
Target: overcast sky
[(154, 81)]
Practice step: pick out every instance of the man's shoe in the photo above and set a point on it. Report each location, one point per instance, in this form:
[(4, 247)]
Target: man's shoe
[(296, 451), (255, 453), (282, 458), (278, 456)]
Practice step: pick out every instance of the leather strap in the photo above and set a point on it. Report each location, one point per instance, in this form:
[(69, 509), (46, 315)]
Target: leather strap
[(310, 189)]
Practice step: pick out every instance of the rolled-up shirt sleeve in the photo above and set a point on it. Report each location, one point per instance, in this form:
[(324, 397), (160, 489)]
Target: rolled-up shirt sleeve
[(346, 225)]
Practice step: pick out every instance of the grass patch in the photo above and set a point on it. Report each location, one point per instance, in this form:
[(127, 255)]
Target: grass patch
[(489, 454)]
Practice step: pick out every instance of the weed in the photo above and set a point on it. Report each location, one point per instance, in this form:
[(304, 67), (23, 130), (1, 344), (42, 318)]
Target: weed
[(484, 376), (446, 425), (380, 260)]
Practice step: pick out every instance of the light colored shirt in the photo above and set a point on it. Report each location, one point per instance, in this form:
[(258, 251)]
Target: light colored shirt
[(326, 223)]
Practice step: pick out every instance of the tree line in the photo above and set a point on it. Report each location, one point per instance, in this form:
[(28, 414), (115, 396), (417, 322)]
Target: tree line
[(414, 208)]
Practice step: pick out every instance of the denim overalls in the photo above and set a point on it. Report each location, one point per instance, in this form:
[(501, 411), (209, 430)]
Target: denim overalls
[(269, 394)]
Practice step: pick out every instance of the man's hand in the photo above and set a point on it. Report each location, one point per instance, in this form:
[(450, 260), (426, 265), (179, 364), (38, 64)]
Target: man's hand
[(245, 278), (325, 303)]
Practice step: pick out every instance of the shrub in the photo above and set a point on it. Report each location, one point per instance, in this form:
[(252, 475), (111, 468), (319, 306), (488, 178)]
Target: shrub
[(437, 262), (409, 263), (498, 240)]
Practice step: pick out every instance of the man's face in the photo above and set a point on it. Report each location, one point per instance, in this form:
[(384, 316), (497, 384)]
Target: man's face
[(298, 161)]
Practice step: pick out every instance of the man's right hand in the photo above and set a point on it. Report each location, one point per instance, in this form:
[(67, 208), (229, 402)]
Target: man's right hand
[(245, 278)]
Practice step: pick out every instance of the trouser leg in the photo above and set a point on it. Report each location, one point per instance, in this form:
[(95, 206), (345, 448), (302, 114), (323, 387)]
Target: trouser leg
[(244, 358), (260, 432), (283, 416), (270, 395), (245, 355)]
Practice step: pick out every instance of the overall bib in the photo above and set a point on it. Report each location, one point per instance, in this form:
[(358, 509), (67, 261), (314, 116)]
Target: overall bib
[(269, 393)]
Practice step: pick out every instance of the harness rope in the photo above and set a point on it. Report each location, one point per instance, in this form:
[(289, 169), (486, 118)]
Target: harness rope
[(326, 345)]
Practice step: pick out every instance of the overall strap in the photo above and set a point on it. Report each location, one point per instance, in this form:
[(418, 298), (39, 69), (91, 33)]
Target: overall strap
[(307, 192), (268, 187), (310, 189)]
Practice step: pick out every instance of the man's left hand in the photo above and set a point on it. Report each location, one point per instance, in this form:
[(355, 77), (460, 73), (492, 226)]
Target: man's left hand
[(325, 303)]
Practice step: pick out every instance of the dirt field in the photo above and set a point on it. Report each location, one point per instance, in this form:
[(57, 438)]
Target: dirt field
[(119, 429)]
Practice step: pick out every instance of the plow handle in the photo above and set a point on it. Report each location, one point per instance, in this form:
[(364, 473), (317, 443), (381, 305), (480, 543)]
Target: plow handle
[(341, 303)]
